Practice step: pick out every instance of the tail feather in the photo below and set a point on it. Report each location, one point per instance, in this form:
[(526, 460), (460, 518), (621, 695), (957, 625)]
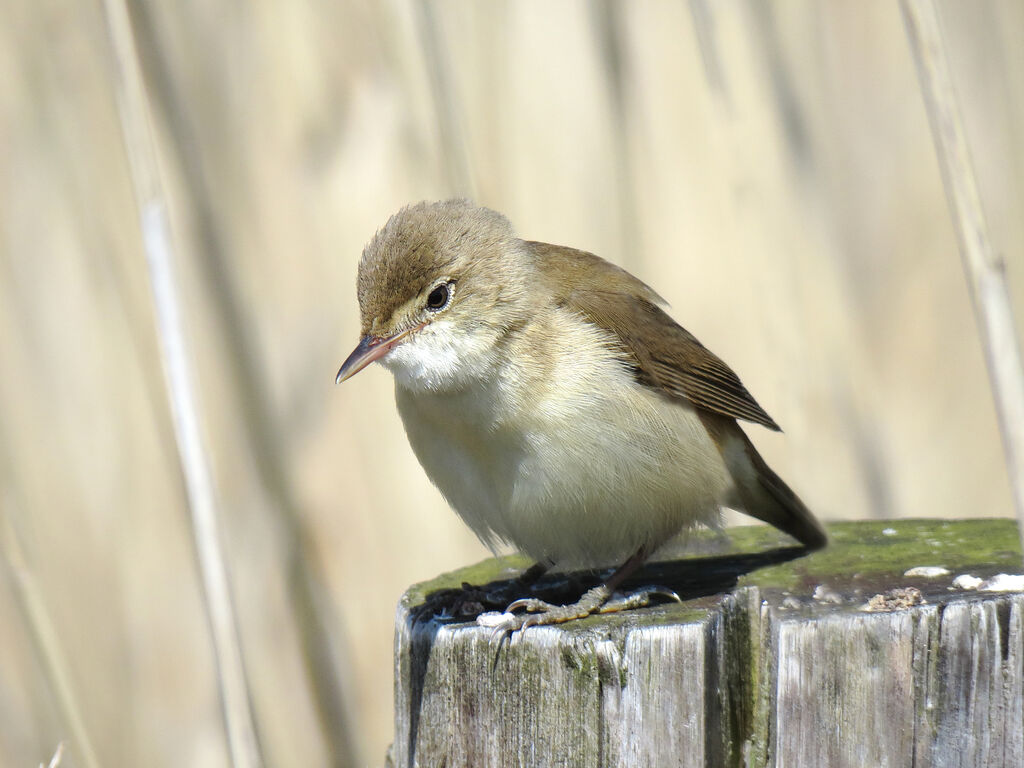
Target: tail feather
[(760, 493)]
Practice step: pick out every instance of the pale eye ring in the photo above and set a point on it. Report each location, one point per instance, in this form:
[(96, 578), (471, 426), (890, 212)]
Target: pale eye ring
[(438, 298)]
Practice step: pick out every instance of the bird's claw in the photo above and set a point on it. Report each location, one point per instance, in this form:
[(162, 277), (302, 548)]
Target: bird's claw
[(530, 605), (638, 599)]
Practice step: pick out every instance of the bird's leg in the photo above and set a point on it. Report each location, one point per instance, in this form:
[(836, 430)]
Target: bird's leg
[(596, 600)]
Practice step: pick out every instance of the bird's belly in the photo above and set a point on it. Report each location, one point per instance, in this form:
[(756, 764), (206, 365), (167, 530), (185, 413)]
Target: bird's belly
[(576, 482), (614, 480)]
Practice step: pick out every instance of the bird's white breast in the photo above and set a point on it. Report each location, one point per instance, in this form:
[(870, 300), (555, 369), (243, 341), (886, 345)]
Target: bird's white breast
[(548, 443)]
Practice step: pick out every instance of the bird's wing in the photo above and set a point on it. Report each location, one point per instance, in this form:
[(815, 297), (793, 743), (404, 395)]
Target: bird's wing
[(664, 356)]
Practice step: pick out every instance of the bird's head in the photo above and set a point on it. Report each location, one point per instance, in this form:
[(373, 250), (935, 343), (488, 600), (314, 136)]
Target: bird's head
[(439, 285)]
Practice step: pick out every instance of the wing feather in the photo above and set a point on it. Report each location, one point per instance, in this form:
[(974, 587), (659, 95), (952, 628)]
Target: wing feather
[(662, 354)]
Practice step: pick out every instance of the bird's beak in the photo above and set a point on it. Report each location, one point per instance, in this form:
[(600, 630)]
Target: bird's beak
[(370, 348)]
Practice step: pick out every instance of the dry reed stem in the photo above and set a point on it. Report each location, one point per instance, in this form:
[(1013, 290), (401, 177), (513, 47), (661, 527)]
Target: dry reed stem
[(319, 628), (47, 644), (139, 145), (985, 271), (57, 755)]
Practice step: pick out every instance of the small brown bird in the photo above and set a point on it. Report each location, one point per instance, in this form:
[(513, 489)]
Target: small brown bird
[(553, 402)]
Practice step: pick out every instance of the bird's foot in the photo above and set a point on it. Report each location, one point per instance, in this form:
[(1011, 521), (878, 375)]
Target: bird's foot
[(641, 598), (597, 600), (540, 612)]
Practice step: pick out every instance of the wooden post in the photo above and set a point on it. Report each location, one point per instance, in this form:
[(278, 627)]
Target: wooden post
[(872, 652)]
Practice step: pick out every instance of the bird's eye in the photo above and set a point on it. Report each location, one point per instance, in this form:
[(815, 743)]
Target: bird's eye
[(438, 298)]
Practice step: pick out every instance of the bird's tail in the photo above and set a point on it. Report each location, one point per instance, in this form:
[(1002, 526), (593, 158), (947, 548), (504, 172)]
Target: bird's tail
[(760, 493)]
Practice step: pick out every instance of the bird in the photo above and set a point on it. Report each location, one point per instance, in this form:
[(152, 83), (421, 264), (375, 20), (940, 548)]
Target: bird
[(554, 403)]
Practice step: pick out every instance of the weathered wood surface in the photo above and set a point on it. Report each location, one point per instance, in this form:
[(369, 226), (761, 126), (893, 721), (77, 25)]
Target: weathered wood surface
[(769, 661)]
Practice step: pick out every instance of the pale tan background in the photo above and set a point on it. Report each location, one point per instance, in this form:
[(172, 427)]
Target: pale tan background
[(767, 167)]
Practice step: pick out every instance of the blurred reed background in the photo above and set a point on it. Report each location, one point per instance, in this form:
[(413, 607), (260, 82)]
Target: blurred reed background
[(767, 167)]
